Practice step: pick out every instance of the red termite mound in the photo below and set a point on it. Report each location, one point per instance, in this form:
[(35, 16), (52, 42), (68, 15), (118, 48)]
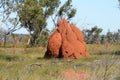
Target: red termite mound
[(67, 41)]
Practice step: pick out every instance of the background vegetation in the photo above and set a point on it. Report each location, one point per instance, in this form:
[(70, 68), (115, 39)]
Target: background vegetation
[(21, 56)]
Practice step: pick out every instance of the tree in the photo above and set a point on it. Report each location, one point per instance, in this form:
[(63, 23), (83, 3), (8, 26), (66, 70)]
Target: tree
[(1, 34), (103, 41), (119, 1), (113, 37), (65, 11), (109, 37), (8, 9), (119, 4), (92, 35), (34, 14)]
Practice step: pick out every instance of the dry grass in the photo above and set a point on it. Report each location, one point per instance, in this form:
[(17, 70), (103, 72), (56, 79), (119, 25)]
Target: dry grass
[(29, 64)]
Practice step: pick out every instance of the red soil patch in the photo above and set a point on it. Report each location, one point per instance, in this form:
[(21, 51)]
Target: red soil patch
[(1, 44), (40, 47), (70, 74), (1, 78), (14, 45)]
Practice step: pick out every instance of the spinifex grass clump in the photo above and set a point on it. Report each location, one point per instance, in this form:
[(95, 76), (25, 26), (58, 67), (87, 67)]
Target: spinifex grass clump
[(12, 57)]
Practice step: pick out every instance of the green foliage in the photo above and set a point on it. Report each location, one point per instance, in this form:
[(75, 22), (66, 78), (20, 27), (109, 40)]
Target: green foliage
[(8, 8), (113, 37), (33, 16), (92, 35), (44, 40), (66, 10)]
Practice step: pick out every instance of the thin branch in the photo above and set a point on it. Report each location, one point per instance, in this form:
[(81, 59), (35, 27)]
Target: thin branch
[(53, 21)]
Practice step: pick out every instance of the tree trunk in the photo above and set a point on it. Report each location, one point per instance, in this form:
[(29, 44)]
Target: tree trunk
[(28, 42), (34, 40), (5, 36)]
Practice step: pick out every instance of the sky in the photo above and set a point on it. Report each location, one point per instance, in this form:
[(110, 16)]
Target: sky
[(103, 13)]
